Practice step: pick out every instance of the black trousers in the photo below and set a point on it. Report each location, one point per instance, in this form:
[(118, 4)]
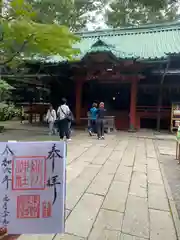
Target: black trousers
[(100, 127), (64, 129), (93, 126)]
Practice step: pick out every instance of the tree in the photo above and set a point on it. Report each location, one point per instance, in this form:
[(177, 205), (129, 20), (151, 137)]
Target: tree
[(136, 13), (22, 37), (72, 13)]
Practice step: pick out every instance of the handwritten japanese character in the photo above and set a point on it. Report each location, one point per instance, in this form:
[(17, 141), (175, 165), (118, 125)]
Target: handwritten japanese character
[(6, 165), (53, 154), (5, 213), (7, 151), (6, 180), (52, 182)]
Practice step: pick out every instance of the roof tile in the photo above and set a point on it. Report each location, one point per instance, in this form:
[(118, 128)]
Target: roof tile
[(148, 42)]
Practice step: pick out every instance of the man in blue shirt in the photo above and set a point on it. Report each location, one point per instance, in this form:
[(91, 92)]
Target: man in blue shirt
[(93, 116)]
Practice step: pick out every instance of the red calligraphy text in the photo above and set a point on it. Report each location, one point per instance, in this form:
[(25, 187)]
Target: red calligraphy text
[(28, 206), (46, 209), (29, 173)]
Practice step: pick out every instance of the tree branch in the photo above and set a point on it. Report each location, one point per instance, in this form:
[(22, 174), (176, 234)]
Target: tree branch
[(19, 51)]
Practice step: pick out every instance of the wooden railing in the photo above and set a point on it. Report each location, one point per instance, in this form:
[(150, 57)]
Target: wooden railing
[(153, 109)]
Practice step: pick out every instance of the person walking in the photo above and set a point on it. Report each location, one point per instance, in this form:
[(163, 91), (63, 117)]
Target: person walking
[(51, 118), (64, 115), (71, 120), (93, 115), (22, 115), (100, 121)]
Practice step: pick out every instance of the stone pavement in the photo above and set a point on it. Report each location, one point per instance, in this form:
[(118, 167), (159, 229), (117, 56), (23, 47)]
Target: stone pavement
[(116, 190)]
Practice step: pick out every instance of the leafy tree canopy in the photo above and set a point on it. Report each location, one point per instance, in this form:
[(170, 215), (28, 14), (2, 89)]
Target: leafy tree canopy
[(21, 36), (74, 14), (123, 13)]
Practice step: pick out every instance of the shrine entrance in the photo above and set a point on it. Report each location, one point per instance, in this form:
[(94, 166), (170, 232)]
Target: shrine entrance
[(102, 76), (116, 97)]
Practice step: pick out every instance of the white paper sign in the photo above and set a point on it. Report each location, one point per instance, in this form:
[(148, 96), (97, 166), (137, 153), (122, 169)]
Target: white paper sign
[(32, 189)]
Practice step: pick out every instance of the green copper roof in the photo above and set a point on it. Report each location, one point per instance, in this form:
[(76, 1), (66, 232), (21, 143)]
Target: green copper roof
[(102, 46), (146, 42)]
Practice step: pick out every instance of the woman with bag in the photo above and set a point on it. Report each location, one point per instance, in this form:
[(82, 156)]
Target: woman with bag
[(51, 118), (64, 117)]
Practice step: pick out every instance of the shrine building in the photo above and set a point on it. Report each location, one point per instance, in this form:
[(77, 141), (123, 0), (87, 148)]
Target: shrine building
[(135, 71)]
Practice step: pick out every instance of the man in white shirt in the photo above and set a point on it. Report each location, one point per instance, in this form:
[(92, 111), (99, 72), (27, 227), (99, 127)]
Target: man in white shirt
[(63, 112)]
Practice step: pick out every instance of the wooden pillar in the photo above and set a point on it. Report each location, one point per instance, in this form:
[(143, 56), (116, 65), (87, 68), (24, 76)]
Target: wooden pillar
[(132, 114), (78, 101)]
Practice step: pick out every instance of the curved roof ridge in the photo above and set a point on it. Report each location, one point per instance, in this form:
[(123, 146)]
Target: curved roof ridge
[(132, 29)]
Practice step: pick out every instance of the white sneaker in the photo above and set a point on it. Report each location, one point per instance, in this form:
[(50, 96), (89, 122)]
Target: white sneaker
[(90, 133), (69, 139)]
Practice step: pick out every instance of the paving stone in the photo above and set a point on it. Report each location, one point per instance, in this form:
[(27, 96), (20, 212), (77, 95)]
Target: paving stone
[(140, 178), (67, 237), (116, 156), (77, 187), (121, 145), (139, 167), (103, 155), (141, 160), (167, 151), (157, 198), (67, 212), (83, 216), (128, 157), (88, 159), (75, 190), (36, 237), (75, 153), (150, 149), (154, 176), (140, 156), (109, 167), (116, 197), (153, 163), (156, 190), (86, 145), (138, 185), (92, 152), (137, 190), (106, 235), (130, 237), (74, 169), (123, 174), (109, 220), (90, 172), (136, 221), (161, 226), (100, 184)]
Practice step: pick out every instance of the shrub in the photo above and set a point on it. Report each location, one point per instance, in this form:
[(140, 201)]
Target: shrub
[(8, 111)]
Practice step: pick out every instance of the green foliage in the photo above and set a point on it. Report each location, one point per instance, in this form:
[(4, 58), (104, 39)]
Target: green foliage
[(129, 13), (22, 37), (8, 111), (4, 86), (72, 13), (75, 14), (5, 90)]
